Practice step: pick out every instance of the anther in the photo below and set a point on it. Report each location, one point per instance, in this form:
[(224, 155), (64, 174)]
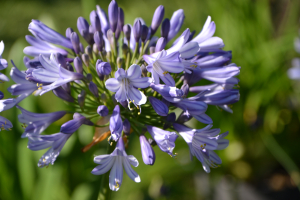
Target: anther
[(165, 73), (193, 66), (117, 185)]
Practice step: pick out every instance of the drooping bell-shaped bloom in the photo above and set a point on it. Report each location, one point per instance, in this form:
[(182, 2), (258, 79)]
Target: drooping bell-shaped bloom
[(53, 73), (115, 163), (147, 151), (37, 122), (165, 140), (5, 124), (22, 88), (218, 94), (202, 142), (125, 84), (39, 46), (55, 142), (73, 125), (43, 32), (116, 124), (205, 40)]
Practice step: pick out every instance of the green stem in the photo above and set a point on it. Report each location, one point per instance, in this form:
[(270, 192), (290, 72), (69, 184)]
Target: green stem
[(282, 157)]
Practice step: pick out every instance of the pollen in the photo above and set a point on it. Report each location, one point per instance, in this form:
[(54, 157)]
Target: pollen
[(194, 66), (165, 73), (40, 86), (117, 185)]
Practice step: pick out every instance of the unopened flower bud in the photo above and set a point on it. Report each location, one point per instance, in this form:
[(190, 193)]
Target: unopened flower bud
[(95, 49), (61, 60), (75, 42), (72, 125), (184, 117), (89, 51), (147, 151), (86, 59), (89, 77), (159, 107), (165, 28), (103, 68), (78, 65), (171, 118), (152, 50), (121, 19), (102, 110), (94, 89), (165, 102), (1, 95), (125, 49), (137, 29), (127, 32), (113, 14), (185, 88), (120, 62), (98, 38), (104, 53), (82, 25), (69, 31), (61, 93), (81, 48), (157, 18), (144, 33), (160, 44), (124, 104), (67, 87), (126, 127), (144, 70), (95, 21), (70, 67), (110, 37), (81, 98)]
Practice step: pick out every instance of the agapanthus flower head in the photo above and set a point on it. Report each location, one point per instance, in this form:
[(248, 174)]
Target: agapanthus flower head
[(126, 84)]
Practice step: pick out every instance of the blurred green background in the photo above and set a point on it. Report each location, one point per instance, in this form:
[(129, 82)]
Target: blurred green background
[(262, 160)]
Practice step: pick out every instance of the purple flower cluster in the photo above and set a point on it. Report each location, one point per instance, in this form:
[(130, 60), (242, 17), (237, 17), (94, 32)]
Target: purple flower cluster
[(124, 65)]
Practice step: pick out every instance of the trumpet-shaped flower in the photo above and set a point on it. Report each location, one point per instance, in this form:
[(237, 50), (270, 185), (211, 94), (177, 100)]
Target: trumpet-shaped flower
[(125, 84), (115, 163)]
